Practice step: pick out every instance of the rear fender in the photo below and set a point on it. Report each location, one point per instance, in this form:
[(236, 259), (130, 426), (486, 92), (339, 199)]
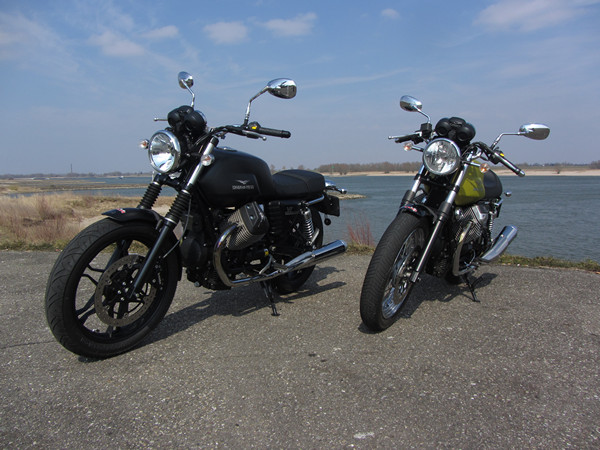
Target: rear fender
[(149, 216)]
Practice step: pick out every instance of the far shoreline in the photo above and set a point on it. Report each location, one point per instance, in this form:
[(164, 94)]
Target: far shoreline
[(498, 171)]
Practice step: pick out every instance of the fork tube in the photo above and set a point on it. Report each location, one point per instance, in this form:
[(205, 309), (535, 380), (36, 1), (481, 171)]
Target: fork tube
[(443, 214), (171, 220), (409, 196)]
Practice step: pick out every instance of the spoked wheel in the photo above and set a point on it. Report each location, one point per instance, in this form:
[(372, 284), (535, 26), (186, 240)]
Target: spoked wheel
[(90, 306), (296, 243), (387, 284)]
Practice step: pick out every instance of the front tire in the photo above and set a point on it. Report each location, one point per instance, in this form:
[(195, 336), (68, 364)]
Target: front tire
[(387, 284), (86, 304)]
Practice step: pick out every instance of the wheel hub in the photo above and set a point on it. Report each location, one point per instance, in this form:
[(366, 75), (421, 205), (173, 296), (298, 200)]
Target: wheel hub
[(111, 300)]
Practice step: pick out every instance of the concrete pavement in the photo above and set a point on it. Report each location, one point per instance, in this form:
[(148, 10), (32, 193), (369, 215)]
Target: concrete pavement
[(520, 369)]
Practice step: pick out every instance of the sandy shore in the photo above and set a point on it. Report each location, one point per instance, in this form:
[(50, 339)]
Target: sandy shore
[(499, 171)]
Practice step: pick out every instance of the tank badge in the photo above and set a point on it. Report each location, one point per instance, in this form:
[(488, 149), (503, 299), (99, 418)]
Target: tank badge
[(243, 185)]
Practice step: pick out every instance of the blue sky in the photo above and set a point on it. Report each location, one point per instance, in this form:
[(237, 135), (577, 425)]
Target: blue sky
[(81, 81)]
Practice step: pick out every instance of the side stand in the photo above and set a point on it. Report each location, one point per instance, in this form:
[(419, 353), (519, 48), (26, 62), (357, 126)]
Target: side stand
[(268, 290), (471, 286)]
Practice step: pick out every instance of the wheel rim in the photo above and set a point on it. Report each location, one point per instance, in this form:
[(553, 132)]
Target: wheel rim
[(396, 289), (100, 305)]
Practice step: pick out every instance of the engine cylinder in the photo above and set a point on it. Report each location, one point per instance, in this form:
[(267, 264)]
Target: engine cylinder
[(251, 226)]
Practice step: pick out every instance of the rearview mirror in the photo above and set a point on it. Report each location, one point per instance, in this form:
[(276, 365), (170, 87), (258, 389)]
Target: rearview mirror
[(536, 131), (282, 88), (410, 104), (185, 80), (279, 87)]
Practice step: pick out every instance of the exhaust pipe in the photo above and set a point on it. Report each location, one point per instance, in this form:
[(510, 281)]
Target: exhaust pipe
[(302, 261), (316, 256), (502, 242)]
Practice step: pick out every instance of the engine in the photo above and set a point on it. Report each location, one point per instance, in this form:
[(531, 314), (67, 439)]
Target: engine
[(471, 231), (251, 226)]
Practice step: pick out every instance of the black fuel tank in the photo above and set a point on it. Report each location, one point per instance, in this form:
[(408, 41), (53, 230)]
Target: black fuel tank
[(235, 178)]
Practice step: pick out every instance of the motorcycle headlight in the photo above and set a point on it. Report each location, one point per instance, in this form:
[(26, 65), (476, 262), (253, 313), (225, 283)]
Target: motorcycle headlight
[(441, 156), (164, 151)]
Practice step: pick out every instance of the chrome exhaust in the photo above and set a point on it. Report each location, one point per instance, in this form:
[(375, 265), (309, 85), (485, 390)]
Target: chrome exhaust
[(501, 243), (302, 261)]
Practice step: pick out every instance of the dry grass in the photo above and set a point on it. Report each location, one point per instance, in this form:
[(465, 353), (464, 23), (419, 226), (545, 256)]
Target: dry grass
[(359, 233), (50, 221)]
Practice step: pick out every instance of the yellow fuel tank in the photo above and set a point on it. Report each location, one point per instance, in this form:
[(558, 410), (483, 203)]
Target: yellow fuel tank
[(472, 189)]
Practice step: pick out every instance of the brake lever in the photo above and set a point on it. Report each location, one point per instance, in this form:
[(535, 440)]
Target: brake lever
[(253, 135)]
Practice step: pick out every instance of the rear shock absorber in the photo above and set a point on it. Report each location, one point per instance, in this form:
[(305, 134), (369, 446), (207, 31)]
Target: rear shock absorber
[(308, 228)]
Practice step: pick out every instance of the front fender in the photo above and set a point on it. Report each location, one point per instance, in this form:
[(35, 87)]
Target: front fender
[(149, 216), (418, 210), (130, 214)]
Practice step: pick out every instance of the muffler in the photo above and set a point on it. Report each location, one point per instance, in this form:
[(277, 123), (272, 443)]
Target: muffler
[(302, 261), (502, 242)]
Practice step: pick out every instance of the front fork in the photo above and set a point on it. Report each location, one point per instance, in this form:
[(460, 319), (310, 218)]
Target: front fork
[(170, 221), (444, 212)]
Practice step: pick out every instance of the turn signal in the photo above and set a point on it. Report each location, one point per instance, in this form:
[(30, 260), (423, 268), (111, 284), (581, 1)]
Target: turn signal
[(408, 146), (207, 160), (485, 167), (144, 144)]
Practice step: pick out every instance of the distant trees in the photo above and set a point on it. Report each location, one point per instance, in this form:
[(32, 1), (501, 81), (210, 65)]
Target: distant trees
[(344, 168)]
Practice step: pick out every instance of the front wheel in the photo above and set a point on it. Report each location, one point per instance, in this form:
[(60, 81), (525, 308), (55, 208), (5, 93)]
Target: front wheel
[(88, 304), (387, 283)]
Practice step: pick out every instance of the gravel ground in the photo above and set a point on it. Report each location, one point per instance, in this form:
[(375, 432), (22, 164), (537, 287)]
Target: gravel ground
[(519, 369)]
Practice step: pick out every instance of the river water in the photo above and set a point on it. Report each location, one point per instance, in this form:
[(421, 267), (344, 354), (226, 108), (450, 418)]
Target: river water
[(556, 216)]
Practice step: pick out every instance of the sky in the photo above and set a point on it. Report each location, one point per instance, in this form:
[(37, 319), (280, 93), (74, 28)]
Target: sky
[(81, 81)]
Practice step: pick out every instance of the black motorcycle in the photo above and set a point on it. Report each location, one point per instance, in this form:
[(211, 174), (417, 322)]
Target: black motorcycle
[(239, 224), (444, 225)]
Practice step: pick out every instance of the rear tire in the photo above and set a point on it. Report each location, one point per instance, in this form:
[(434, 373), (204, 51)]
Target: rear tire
[(85, 303), (291, 282), (387, 284)]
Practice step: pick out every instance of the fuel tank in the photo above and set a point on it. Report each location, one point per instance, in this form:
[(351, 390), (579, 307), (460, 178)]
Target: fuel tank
[(478, 186), (235, 178)]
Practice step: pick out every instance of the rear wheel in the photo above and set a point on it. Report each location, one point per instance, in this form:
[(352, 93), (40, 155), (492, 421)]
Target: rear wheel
[(296, 241), (87, 304), (387, 284)]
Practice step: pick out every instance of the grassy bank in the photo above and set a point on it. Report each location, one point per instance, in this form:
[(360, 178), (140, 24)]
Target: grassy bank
[(45, 222), (48, 222)]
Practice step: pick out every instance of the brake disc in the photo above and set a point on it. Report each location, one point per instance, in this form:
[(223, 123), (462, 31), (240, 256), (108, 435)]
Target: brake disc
[(111, 301)]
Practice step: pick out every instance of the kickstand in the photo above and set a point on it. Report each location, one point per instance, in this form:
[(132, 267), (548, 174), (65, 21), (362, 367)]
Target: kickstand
[(471, 286), (268, 290)]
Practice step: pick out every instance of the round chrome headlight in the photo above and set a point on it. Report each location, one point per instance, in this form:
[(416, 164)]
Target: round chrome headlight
[(441, 157), (164, 151)]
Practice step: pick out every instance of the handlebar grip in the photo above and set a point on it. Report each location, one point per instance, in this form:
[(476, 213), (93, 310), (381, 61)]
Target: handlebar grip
[(408, 137), (272, 132), (508, 164)]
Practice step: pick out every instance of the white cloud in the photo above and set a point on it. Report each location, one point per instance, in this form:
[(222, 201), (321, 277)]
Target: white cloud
[(112, 44), (227, 32), (299, 26), (531, 15), (170, 31), (390, 13), (34, 45)]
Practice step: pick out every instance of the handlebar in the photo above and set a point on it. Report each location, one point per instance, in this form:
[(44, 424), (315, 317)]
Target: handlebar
[(255, 126), (254, 131), (499, 156), (496, 156), (416, 138)]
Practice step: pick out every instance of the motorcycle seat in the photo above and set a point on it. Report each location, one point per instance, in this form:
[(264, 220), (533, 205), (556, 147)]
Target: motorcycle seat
[(298, 183)]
